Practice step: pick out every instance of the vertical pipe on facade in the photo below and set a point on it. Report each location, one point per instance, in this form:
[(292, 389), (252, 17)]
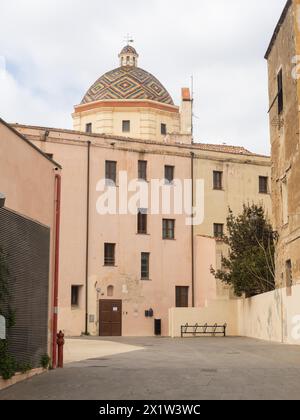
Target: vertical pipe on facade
[(192, 232), (56, 267), (87, 239)]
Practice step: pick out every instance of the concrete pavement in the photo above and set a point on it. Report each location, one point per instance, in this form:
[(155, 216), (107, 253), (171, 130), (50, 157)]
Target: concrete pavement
[(193, 369)]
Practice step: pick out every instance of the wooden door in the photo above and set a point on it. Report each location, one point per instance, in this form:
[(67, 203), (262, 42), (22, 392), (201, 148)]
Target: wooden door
[(110, 318)]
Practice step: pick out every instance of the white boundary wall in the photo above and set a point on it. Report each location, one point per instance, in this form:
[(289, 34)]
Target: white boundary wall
[(273, 316)]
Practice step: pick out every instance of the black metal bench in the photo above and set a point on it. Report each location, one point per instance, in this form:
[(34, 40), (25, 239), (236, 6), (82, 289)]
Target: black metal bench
[(196, 330)]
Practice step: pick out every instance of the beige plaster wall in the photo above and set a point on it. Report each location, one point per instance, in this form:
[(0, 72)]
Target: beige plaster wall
[(284, 134), (145, 123), (273, 316), (220, 312)]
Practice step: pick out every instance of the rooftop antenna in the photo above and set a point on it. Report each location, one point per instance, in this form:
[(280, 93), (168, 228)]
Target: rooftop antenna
[(128, 39), (192, 97)]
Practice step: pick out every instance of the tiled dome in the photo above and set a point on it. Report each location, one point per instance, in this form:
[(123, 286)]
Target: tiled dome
[(127, 82)]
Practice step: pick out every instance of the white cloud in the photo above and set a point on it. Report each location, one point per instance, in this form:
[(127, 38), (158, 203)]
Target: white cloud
[(55, 50)]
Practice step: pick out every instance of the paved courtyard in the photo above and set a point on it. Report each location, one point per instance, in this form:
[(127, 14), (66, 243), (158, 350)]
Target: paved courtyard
[(162, 368)]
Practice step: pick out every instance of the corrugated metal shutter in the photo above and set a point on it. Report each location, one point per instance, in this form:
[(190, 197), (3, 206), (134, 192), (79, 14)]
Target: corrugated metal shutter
[(27, 245)]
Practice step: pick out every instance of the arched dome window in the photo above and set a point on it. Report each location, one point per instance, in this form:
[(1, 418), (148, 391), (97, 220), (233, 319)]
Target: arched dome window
[(110, 291)]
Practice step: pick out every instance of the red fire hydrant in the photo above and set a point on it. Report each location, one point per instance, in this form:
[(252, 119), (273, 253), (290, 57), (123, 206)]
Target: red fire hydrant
[(60, 349)]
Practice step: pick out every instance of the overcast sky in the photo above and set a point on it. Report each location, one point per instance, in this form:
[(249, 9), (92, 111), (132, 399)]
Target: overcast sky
[(53, 50)]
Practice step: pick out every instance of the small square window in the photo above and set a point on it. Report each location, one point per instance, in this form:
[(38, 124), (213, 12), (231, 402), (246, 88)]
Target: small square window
[(126, 126), (218, 230), (168, 229), (218, 180), (263, 184), (169, 174), (109, 254), (145, 266), (75, 295), (163, 129), (88, 128)]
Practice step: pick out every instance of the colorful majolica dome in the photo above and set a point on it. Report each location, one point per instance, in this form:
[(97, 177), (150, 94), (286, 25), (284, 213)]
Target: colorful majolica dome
[(128, 82)]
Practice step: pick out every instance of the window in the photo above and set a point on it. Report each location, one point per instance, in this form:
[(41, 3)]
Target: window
[(110, 291), (218, 180), (169, 174), (142, 222), (263, 184), (75, 292), (142, 170), (163, 129), (145, 264), (289, 275), (218, 230), (126, 126), (284, 201), (168, 229), (182, 297), (280, 92), (88, 128), (109, 254), (111, 171)]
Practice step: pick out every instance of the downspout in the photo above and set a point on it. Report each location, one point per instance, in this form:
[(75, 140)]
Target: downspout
[(87, 239), (193, 231), (56, 267)]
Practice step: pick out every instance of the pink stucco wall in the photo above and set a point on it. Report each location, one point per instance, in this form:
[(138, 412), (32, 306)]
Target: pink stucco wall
[(27, 178)]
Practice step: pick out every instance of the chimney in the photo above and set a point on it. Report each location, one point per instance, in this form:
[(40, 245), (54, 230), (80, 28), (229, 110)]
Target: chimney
[(186, 112)]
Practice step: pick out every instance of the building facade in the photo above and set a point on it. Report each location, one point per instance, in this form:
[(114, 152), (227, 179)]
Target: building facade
[(29, 180), (120, 270), (284, 93)]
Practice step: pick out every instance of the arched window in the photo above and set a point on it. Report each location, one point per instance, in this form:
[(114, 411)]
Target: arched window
[(110, 291)]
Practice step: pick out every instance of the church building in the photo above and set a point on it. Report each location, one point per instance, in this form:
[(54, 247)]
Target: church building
[(120, 272)]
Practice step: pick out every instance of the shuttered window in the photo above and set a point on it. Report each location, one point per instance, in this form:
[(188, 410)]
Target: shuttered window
[(182, 297)]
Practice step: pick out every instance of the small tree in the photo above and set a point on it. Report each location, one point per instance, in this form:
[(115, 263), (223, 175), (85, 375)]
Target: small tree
[(250, 265)]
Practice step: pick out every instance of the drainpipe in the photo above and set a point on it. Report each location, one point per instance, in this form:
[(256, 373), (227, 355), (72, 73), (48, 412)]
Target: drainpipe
[(56, 267), (192, 232), (87, 239)]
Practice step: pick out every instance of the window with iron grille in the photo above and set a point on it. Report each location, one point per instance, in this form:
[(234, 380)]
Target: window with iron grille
[(182, 297), (111, 171), (109, 254), (168, 229), (88, 128), (126, 126), (142, 170), (280, 91), (263, 184), (163, 129), (75, 291), (145, 266), (142, 222), (218, 230), (169, 174), (218, 180)]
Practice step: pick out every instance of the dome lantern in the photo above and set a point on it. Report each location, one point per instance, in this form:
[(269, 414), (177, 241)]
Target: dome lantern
[(128, 57)]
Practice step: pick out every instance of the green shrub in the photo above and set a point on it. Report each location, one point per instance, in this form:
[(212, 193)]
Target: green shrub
[(8, 364), (45, 361), (24, 367)]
